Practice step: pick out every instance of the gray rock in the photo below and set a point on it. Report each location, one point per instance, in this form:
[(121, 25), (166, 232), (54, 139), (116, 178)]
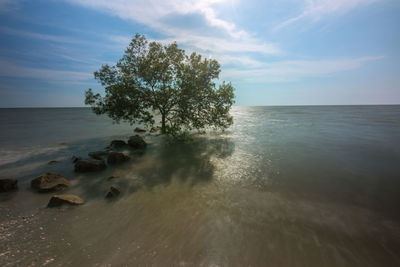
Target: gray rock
[(89, 165), (117, 143), (49, 182), (98, 154), (113, 192), (137, 142), (117, 157), (7, 185), (58, 200), (139, 130)]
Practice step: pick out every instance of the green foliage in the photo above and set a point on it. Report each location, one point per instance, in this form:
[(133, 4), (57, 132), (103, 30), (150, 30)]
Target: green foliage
[(154, 79)]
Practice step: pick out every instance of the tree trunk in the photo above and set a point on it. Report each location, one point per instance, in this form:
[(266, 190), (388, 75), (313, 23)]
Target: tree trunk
[(163, 123)]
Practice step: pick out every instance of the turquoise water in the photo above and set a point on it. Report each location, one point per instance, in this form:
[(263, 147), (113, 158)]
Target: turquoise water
[(284, 186)]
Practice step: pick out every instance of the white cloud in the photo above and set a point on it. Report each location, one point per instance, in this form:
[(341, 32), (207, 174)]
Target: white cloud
[(222, 45), (317, 9), (152, 13), (294, 70), (240, 61)]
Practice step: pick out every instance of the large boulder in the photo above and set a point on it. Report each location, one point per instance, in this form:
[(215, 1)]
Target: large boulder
[(116, 157), (58, 200), (113, 192), (139, 130), (8, 184), (117, 143), (49, 182), (137, 142), (89, 165), (98, 154)]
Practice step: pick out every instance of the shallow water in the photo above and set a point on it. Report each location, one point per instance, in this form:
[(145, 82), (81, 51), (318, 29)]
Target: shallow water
[(284, 186)]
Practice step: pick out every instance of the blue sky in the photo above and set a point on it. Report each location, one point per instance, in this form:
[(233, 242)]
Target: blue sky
[(288, 52)]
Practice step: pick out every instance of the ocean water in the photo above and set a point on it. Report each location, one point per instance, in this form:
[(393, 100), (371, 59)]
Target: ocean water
[(284, 186)]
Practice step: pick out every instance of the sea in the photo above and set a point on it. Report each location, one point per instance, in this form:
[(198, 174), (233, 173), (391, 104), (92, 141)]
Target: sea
[(283, 186)]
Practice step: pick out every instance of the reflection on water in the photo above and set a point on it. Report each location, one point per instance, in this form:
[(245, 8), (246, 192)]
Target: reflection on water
[(285, 186)]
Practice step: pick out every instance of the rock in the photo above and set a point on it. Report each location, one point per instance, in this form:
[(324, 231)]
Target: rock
[(111, 177), (117, 143), (117, 157), (139, 130), (53, 161), (113, 192), (58, 200), (155, 129), (89, 165), (7, 185), (98, 154), (49, 182), (75, 159), (137, 142)]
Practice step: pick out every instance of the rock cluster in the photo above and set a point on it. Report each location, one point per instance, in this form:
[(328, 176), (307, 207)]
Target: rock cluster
[(50, 182)]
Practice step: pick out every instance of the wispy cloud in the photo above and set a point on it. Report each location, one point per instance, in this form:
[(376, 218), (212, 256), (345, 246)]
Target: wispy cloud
[(7, 5), (42, 36), (317, 9), (284, 71), (9, 69)]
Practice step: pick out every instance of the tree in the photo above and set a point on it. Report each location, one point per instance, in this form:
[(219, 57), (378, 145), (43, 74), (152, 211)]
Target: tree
[(152, 79)]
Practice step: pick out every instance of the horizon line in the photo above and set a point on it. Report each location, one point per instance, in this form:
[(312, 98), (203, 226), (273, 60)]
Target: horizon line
[(295, 105)]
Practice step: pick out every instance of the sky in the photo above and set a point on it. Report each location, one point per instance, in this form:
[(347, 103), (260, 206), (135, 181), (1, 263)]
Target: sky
[(282, 52)]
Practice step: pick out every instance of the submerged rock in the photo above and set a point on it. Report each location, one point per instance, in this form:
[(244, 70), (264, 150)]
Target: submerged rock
[(89, 165), (113, 192), (111, 177), (49, 182), (58, 200), (7, 185), (117, 157), (137, 142), (98, 154), (117, 143), (75, 159), (155, 129), (139, 130), (53, 161)]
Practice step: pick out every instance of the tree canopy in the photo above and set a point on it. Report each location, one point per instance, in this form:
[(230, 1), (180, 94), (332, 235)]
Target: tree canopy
[(153, 80)]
